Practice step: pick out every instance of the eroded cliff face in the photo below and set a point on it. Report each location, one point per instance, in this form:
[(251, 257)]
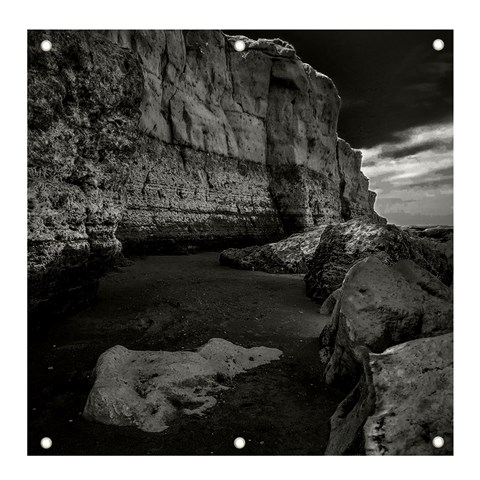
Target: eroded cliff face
[(167, 141), (263, 106), (83, 100)]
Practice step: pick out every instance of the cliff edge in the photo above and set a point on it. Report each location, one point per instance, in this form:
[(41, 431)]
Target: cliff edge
[(168, 141)]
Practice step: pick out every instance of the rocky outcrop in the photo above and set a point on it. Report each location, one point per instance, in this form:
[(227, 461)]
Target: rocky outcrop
[(378, 307), (403, 401), (279, 123), (290, 255), (148, 389), (83, 100), (441, 237), (354, 191), (164, 141), (389, 342), (344, 244)]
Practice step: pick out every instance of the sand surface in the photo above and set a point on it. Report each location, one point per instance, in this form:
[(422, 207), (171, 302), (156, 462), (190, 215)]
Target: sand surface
[(180, 302)]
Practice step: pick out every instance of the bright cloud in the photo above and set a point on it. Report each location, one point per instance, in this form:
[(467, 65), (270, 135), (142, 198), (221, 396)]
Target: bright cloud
[(413, 176)]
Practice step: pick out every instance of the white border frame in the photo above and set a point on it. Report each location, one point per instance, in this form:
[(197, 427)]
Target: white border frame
[(298, 14)]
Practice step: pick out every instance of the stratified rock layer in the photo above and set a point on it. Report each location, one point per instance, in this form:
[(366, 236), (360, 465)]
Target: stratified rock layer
[(290, 255), (344, 244), (165, 141), (274, 134), (402, 402), (148, 389), (83, 100)]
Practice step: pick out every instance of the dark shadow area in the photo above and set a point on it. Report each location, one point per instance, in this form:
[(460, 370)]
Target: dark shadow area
[(174, 303)]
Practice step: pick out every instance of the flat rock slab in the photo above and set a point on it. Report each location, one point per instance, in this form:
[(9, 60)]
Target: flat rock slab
[(148, 389), (290, 255)]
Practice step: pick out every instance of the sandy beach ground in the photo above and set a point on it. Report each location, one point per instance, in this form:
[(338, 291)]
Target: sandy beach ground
[(174, 303)]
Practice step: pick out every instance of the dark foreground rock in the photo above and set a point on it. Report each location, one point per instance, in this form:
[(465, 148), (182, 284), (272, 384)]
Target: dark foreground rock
[(344, 244), (290, 255), (402, 402), (390, 343), (378, 307), (148, 389)]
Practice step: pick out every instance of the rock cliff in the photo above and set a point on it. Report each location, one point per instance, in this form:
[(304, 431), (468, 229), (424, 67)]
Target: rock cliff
[(167, 141)]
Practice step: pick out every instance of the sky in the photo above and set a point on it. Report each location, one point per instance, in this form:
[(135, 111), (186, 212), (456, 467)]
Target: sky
[(397, 107)]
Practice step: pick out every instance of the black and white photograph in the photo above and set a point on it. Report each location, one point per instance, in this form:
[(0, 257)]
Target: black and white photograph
[(240, 242)]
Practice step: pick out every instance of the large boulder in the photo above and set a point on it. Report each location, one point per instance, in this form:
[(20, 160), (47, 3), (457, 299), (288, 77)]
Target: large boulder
[(378, 307), (148, 389), (290, 255), (346, 243), (402, 402)]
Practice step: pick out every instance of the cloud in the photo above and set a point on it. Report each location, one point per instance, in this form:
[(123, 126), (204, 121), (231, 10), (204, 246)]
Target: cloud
[(435, 145), (413, 176)]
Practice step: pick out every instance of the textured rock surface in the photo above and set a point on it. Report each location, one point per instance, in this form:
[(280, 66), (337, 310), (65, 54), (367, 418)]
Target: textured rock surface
[(345, 243), (441, 237), (200, 94), (378, 307), (192, 199), (290, 255), (416, 400), (402, 402), (147, 389), (83, 100), (346, 424), (165, 141), (329, 304), (354, 191)]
